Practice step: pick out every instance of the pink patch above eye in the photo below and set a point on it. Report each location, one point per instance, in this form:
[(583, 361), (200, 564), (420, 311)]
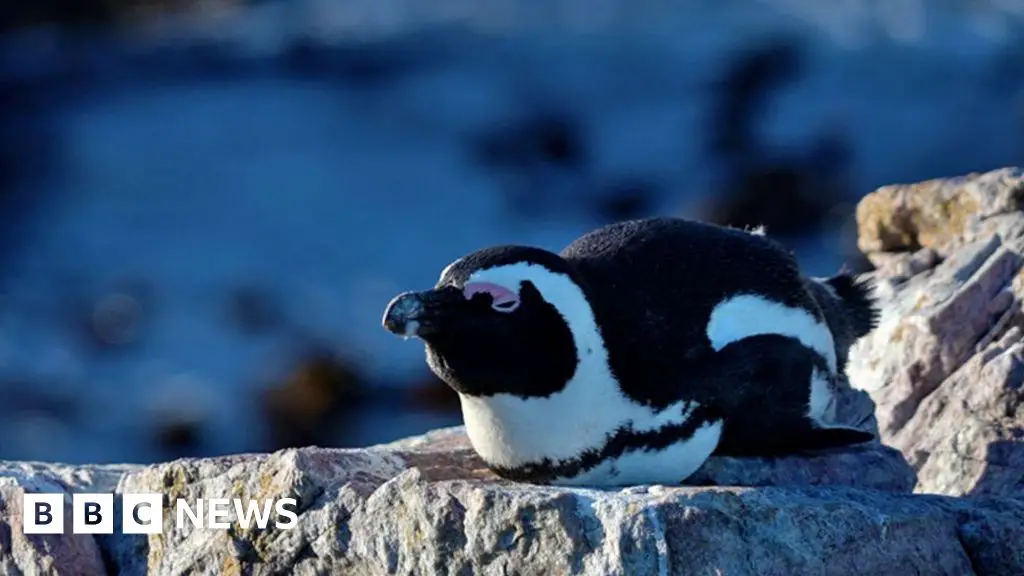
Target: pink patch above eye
[(504, 299)]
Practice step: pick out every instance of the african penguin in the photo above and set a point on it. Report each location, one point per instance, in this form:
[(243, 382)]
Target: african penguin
[(637, 352)]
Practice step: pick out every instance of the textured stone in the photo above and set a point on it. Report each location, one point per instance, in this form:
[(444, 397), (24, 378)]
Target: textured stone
[(65, 554), (936, 214), (427, 505), (945, 367)]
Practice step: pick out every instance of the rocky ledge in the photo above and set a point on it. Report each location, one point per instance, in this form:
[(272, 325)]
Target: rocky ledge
[(944, 369)]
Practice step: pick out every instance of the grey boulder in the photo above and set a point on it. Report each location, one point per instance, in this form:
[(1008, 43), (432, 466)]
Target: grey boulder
[(946, 366), (427, 506)]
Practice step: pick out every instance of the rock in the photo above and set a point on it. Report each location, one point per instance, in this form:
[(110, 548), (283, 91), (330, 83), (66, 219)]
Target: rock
[(946, 365), (426, 505), (938, 214), (876, 467), (43, 553)]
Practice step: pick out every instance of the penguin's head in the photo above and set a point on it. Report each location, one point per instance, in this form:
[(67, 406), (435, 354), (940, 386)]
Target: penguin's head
[(499, 321)]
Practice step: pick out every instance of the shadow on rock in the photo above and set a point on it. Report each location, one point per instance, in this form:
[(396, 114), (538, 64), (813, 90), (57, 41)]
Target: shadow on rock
[(1003, 474)]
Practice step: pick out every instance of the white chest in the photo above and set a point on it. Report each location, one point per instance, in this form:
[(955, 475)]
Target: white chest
[(670, 465), (511, 432)]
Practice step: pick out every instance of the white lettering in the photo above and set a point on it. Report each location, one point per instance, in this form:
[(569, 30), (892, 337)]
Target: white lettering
[(293, 518), (183, 509), (253, 510), (214, 513)]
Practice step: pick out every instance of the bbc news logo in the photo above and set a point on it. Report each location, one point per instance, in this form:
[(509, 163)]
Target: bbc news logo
[(143, 513)]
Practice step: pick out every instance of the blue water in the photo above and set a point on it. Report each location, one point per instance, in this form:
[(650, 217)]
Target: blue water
[(194, 175)]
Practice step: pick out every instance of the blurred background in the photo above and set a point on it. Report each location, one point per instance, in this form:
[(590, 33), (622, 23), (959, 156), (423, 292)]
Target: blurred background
[(205, 205)]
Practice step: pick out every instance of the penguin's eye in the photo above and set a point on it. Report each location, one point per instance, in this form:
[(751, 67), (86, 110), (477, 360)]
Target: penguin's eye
[(505, 305), (502, 299)]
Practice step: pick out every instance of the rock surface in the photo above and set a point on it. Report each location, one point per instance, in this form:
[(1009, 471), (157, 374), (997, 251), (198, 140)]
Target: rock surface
[(946, 365), (944, 368), (427, 506)]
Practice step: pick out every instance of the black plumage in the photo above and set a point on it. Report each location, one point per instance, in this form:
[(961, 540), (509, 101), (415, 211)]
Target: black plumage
[(652, 286)]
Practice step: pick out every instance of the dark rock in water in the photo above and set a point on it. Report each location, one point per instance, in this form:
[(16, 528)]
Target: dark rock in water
[(743, 92), (789, 193), (625, 200), (362, 65), (530, 154), (303, 409), (113, 318), (1005, 73), (305, 58), (14, 15), (30, 396), (28, 151), (790, 196), (547, 138), (77, 13), (255, 311), (178, 439), (776, 197), (772, 196), (432, 394)]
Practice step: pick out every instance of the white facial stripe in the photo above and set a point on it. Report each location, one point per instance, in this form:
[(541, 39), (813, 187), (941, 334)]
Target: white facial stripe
[(748, 315), (509, 431)]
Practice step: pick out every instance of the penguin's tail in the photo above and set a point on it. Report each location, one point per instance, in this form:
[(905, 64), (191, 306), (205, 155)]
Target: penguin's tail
[(858, 300)]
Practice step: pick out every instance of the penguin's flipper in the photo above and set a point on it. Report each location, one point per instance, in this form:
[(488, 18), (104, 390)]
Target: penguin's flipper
[(823, 438), (763, 384), (790, 439)]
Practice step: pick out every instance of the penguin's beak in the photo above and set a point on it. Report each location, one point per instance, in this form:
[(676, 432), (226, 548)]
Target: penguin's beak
[(420, 313)]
